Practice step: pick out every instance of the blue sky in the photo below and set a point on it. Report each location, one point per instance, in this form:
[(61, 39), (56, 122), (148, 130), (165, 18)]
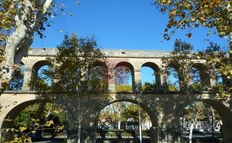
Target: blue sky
[(118, 24)]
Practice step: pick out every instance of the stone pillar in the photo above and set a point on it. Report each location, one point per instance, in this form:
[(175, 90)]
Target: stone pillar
[(226, 116), (111, 83), (86, 135), (226, 133), (7, 134), (153, 135), (212, 82), (212, 79), (158, 82), (137, 80), (163, 82), (82, 116), (27, 78)]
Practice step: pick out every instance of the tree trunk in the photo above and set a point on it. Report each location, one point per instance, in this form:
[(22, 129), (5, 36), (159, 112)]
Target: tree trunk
[(19, 42)]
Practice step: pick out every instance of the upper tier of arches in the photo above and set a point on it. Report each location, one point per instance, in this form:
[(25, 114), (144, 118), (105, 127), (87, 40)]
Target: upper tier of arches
[(135, 61)]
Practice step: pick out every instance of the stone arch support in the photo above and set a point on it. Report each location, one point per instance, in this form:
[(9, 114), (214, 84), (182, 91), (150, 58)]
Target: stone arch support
[(11, 105), (143, 102), (226, 116)]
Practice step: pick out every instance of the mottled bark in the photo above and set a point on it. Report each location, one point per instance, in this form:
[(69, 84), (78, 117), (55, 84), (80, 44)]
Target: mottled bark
[(17, 45)]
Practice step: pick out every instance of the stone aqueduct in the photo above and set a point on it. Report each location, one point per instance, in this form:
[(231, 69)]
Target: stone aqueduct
[(154, 104)]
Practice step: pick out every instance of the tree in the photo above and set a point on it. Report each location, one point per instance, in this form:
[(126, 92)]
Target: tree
[(7, 14), (75, 71), (193, 13), (216, 14), (213, 62), (29, 18), (132, 111), (20, 19), (122, 112), (149, 87), (51, 119), (181, 60), (75, 68), (219, 63)]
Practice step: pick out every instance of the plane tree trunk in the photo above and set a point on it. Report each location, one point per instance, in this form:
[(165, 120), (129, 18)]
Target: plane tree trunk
[(27, 21)]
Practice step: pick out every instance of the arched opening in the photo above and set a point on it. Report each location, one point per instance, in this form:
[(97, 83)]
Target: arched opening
[(98, 76), (40, 75), (200, 122), (35, 120), (124, 77), (16, 82), (122, 121), (150, 78), (219, 80), (173, 80), (196, 84), (200, 77)]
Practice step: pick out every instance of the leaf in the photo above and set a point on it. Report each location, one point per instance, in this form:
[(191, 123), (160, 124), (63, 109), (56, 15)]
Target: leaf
[(22, 128), (49, 123)]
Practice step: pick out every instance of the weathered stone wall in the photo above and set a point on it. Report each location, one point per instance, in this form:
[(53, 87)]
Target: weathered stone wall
[(83, 112)]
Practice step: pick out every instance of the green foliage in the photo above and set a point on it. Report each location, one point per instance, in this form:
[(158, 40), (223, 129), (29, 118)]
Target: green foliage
[(75, 69), (7, 23), (123, 88), (29, 121), (149, 87), (41, 81), (217, 58), (216, 14), (193, 13), (180, 59), (219, 87), (197, 87), (132, 111), (121, 112), (172, 88), (181, 48), (199, 111)]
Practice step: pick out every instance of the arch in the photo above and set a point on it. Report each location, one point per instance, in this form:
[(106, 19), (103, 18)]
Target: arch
[(13, 112), (126, 64), (35, 69), (98, 76), (220, 80), (8, 121), (226, 116), (173, 78), (203, 116), (104, 66), (141, 104), (203, 73), (153, 129), (39, 64), (152, 65), (122, 71), (156, 71)]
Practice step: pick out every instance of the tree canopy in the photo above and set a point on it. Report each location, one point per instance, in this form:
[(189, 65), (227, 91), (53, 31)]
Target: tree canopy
[(19, 20), (180, 59), (193, 13), (77, 67)]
